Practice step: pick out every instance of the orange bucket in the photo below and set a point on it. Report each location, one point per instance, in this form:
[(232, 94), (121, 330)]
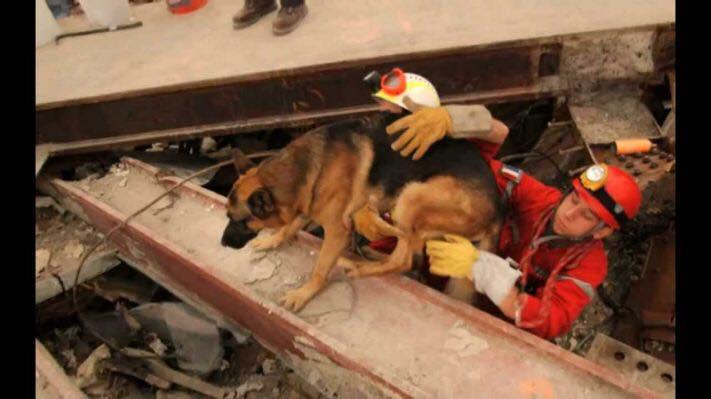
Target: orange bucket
[(185, 6)]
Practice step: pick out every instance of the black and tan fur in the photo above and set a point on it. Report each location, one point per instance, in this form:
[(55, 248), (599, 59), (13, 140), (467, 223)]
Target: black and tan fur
[(330, 172)]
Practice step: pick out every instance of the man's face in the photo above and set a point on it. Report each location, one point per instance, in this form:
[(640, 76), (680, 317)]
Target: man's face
[(574, 218)]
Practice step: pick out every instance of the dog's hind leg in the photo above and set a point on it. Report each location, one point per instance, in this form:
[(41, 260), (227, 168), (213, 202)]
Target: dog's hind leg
[(404, 213), (399, 261), (359, 198), (442, 204), (349, 262), (369, 224)]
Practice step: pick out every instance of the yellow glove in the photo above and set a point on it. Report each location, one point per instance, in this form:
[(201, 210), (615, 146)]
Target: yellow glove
[(453, 257), (424, 127), (369, 224)]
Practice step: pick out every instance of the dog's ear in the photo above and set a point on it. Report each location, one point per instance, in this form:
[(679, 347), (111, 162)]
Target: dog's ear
[(242, 163), (261, 203)]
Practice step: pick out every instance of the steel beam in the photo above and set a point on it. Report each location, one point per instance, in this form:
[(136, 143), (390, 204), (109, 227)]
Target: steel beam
[(306, 95)]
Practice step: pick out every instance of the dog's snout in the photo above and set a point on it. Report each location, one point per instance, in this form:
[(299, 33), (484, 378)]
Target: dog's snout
[(237, 234)]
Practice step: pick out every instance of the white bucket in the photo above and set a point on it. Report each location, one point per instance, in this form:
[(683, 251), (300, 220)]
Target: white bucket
[(46, 27), (107, 13)]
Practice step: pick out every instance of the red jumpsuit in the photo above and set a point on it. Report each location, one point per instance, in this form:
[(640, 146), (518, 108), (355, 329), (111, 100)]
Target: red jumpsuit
[(574, 286)]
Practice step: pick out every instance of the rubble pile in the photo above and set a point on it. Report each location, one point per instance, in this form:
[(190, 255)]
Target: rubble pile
[(154, 346)]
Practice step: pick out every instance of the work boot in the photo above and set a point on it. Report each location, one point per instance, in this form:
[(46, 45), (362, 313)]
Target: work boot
[(252, 11), (288, 19)]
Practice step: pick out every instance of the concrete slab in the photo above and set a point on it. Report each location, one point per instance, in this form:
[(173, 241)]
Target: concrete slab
[(200, 49)]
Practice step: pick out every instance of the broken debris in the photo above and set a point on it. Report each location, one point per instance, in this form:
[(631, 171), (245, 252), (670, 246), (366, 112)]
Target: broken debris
[(88, 373), (73, 249), (161, 394), (69, 358), (119, 169), (269, 366), (196, 339), (110, 327), (135, 368), (178, 164), (247, 372), (250, 385), (41, 260), (156, 345), (208, 144), (162, 371), (49, 202), (138, 291)]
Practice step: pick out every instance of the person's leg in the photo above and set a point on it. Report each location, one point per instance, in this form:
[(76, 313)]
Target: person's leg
[(252, 11), (292, 12)]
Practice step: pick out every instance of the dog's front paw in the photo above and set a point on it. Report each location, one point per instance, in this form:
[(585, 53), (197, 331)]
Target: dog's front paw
[(296, 299), (267, 243)]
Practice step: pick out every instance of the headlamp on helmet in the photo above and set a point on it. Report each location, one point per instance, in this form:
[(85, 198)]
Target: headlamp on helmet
[(594, 177)]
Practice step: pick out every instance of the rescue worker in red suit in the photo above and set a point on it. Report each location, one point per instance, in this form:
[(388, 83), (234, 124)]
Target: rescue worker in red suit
[(550, 257)]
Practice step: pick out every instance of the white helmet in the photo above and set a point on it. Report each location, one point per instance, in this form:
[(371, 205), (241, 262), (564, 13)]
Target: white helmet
[(396, 85)]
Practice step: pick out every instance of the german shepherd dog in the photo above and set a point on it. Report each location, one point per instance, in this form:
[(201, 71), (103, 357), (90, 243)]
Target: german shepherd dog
[(330, 172)]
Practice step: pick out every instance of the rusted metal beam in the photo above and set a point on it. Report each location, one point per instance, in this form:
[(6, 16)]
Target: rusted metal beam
[(309, 94), (386, 336), (548, 87), (635, 365)]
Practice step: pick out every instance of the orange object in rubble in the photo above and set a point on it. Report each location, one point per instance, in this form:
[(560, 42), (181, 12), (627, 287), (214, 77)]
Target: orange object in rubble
[(184, 6), (629, 146)]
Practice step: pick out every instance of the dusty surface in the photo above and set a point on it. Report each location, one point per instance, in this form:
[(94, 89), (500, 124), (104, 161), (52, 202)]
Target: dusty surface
[(607, 56), (60, 242), (613, 114), (396, 335), (202, 47)]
